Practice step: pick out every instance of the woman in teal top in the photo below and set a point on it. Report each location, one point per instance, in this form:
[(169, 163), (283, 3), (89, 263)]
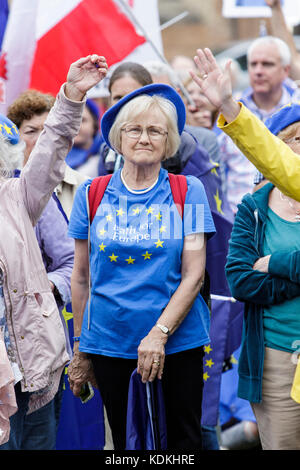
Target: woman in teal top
[(282, 321), (263, 266), (147, 264), (263, 271)]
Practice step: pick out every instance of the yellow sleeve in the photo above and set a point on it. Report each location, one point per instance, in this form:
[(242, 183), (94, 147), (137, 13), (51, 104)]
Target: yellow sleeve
[(272, 157)]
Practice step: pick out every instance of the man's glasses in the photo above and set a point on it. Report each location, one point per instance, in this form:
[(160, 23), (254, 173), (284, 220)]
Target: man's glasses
[(135, 132)]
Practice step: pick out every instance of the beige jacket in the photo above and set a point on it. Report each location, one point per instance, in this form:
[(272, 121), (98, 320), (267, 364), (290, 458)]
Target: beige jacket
[(33, 320), (66, 190)]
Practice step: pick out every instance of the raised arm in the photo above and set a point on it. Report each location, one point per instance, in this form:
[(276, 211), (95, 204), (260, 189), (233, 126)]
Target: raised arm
[(215, 84), (280, 29), (271, 156), (45, 167)]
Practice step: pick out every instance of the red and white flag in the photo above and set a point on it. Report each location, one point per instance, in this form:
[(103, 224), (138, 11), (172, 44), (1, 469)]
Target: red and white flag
[(43, 37), (17, 53)]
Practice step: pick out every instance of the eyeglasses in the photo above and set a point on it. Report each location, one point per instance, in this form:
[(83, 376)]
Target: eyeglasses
[(135, 132)]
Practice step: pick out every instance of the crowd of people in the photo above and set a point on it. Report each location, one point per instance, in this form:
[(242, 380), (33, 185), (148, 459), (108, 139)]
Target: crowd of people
[(119, 212)]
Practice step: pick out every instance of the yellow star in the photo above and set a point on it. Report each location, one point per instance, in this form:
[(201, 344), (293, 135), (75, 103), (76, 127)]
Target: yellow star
[(158, 216), (102, 231), (113, 257), (209, 362), (214, 163), (67, 315), (147, 255), (102, 247), (8, 129), (130, 260), (150, 210), (207, 349), (233, 360), (162, 228), (136, 211), (205, 376), (214, 171), (109, 217), (159, 243), (120, 212), (218, 202)]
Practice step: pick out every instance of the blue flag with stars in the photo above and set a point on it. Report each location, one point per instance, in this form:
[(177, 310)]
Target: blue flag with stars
[(226, 321), (81, 425), (226, 316)]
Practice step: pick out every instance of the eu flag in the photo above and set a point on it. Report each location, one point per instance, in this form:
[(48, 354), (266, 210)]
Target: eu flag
[(226, 316), (81, 426)]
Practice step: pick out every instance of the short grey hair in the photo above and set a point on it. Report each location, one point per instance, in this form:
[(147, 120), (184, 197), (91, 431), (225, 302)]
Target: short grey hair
[(283, 48), (156, 69), (11, 157), (140, 105)]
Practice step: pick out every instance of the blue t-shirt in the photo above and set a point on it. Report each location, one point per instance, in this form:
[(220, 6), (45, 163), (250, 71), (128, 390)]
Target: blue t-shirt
[(135, 261)]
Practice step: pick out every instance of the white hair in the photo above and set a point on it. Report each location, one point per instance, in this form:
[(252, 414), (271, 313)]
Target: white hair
[(283, 48), (156, 69), (11, 157), (140, 105)]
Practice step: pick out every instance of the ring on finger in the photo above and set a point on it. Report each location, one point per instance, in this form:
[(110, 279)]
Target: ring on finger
[(204, 76), (156, 362)]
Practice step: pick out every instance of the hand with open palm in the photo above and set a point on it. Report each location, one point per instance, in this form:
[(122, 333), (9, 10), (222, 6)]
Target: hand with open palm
[(215, 83)]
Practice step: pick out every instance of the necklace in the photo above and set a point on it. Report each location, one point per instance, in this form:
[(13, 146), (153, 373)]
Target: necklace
[(297, 215), (137, 191)]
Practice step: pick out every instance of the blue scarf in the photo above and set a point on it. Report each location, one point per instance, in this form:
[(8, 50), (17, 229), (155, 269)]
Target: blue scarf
[(77, 156)]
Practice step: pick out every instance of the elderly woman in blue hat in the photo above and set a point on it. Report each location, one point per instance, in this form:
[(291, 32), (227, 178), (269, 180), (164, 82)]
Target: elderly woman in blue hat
[(263, 267), (147, 265)]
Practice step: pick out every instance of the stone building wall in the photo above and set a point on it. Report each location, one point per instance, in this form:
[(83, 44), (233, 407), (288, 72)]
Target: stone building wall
[(203, 27)]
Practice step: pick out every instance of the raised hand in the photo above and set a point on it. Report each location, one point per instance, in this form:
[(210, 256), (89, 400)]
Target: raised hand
[(84, 74), (215, 83)]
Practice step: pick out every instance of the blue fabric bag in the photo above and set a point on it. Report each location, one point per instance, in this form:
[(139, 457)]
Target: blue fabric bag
[(146, 423)]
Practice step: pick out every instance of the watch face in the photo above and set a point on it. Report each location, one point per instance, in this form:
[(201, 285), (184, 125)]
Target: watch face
[(163, 328)]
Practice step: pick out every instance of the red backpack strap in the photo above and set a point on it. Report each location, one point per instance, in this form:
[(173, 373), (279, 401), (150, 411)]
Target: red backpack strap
[(96, 191), (178, 185)]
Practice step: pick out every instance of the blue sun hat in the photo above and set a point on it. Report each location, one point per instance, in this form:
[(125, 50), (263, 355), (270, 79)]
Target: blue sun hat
[(159, 89), (285, 116), (9, 130)]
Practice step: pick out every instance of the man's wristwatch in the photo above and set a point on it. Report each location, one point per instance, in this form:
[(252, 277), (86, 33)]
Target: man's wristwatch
[(163, 328)]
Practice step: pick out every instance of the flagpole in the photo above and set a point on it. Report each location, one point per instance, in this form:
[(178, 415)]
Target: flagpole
[(173, 20), (223, 297), (148, 39)]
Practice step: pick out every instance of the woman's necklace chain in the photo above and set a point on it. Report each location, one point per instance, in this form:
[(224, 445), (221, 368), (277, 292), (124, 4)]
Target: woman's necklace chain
[(297, 215), (137, 191)]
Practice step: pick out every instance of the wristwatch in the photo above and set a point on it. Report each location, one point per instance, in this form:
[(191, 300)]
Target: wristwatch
[(163, 328)]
